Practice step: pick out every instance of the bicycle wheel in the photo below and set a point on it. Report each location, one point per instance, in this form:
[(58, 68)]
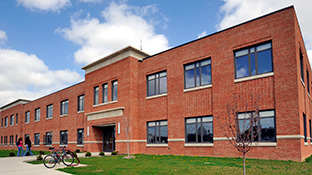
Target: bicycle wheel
[(68, 159), (49, 161)]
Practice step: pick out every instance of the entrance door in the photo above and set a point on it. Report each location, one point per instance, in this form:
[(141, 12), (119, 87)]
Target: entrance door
[(109, 139)]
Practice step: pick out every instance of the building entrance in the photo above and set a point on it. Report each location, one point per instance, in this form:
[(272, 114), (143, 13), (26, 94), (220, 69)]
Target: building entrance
[(109, 139)]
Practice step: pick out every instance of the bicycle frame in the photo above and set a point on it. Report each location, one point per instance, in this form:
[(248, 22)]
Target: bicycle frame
[(59, 154)]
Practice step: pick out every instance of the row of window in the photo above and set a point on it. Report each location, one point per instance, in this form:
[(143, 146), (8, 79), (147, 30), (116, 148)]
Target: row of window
[(250, 61), (5, 123), (200, 129), (47, 138), (114, 96)]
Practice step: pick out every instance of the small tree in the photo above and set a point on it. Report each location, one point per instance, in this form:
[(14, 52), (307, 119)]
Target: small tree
[(241, 125)]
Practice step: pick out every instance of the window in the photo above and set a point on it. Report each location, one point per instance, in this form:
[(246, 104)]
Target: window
[(114, 90), (157, 132), (308, 82), (48, 138), (105, 92), (81, 103), (96, 95), (49, 111), (79, 136), (37, 139), (64, 107), (16, 120), (26, 135), (15, 138), (197, 74), (1, 140), (1, 122), (253, 61), (199, 129), (305, 127), (157, 83), (5, 140), (301, 66), (6, 121), (37, 114), (11, 139), (267, 131), (63, 137), (12, 120), (310, 131), (27, 116)]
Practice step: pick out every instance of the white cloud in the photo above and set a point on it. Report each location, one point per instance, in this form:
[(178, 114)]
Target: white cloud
[(24, 75), (204, 33), (44, 5), (3, 35), (238, 11), (124, 25), (92, 1)]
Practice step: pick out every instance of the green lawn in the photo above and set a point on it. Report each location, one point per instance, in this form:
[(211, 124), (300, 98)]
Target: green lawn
[(5, 153), (163, 164)]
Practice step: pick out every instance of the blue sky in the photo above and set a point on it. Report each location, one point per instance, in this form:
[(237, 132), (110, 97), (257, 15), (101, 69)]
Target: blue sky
[(44, 43)]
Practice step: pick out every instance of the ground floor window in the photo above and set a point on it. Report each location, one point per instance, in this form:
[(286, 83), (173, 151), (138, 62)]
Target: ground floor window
[(80, 137), (5, 140), (37, 139), (48, 138), (199, 129), (266, 122), (11, 139), (63, 137), (157, 132)]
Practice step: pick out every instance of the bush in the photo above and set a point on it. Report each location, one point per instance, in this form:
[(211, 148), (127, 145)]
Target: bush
[(41, 152), (101, 154), (115, 152), (12, 154), (28, 154), (77, 151), (39, 158), (88, 154), (309, 159)]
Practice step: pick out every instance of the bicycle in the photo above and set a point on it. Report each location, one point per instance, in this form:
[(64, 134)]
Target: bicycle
[(58, 155)]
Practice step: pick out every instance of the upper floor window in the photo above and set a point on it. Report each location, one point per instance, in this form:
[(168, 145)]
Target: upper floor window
[(105, 93), (37, 114), (199, 129), (96, 95), (266, 132), (27, 116), (16, 120), (305, 127), (197, 74), (114, 90), (157, 132), (6, 121), (1, 122), (63, 137), (308, 82), (310, 131), (37, 139), (301, 66), (64, 107), (81, 103), (157, 83), (79, 136), (253, 61), (50, 111), (12, 120)]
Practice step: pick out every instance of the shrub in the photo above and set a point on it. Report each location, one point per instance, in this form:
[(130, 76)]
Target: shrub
[(115, 152), (88, 154), (309, 159), (41, 152), (12, 154), (77, 151), (28, 154), (101, 154), (39, 158)]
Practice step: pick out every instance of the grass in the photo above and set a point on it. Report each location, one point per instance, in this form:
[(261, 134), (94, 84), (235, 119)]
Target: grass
[(164, 164), (5, 153)]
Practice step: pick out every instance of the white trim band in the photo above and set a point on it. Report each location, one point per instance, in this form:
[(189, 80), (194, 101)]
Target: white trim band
[(93, 142), (289, 137), (176, 140), (198, 144), (119, 141), (197, 88), (254, 77), (156, 145), (156, 96)]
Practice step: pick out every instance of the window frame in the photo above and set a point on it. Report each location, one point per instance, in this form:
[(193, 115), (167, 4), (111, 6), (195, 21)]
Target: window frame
[(64, 107), (80, 138), (49, 111), (16, 119), (12, 120), (310, 125), (80, 106), (308, 82), (37, 114), (305, 128), (27, 116), (48, 138), (157, 84), (255, 59), (301, 65), (6, 121), (201, 126), (96, 95), (157, 126), (37, 139), (114, 98), (62, 134), (199, 62), (104, 92)]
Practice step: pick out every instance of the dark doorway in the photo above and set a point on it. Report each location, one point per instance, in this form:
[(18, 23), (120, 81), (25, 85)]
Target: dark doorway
[(109, 139)]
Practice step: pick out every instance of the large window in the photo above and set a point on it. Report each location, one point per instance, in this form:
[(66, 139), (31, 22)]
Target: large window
[(37, 139), (266, 132), (199, 129), (1, 122), (6, 121), (197, 74), (114, 90), (12, 120), (96, 95), (37, 114), (308, 82), (48, 138), (50, 111), (81, 103), (253, 61), (301, 66), (79, 136), (27, 116), (305, 127), (157, 83), (105, 93), (64, 107), (16, 120), (157, 132), (63, 137)]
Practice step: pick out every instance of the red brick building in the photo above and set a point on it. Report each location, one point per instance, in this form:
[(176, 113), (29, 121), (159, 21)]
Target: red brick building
[(172, 100)]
